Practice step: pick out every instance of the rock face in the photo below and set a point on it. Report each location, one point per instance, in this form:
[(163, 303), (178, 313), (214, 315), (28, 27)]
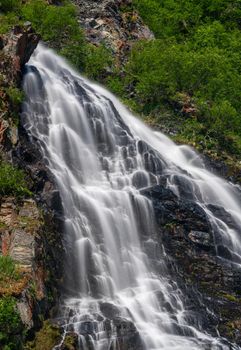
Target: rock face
[(20, 227), (30, 229), (115, 23), (21, 43), (16, 48), (187, 237)]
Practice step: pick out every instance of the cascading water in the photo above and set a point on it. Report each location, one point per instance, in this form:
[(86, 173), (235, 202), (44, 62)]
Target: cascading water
[(101, 156)]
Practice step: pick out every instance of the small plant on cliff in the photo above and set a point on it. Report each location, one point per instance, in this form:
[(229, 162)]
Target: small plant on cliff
[(15, 96), (10, 324), (8, 268), (12, 181), (46, 338)]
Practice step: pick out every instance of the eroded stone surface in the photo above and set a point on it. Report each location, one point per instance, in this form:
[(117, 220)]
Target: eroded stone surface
[(104, 21), (18, 231)]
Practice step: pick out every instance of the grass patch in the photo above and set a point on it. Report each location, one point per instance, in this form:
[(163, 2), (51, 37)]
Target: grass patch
[(12, 279), (12, 181), (8, 269)]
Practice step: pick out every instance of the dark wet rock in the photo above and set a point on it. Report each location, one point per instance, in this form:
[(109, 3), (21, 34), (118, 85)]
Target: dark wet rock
[(208, 282), (201, 238), (127, 335), (19, 45), (109, 310), (223, 215), (16, 48)]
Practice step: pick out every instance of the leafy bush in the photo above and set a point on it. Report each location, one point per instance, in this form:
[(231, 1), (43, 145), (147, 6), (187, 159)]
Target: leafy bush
[(7, 21), (10, 324), (159, 70), (15, 95), (97, 60), (56, 24), (197, 53), (9, 5), (75, 52), (180, 18), (12, 181)]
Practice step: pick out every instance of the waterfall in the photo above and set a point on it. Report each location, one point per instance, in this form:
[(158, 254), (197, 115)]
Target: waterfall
[(101, 157)]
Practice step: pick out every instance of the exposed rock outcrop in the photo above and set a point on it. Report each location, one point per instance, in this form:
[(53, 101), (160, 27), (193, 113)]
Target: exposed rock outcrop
[(212, 283), (30, 228), (114, 23), (16, 48)]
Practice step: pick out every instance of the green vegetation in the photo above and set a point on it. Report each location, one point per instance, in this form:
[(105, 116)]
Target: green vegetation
[(13, 279), (55, 24), (9, 5), (8, 269), (187, 79), (12, 181), (48, 336), (7, 21), (191, 70), (15, 96), (10, 324), (59, 27)]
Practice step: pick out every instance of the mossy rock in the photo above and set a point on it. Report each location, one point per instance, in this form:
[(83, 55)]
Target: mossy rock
[(46, 338)]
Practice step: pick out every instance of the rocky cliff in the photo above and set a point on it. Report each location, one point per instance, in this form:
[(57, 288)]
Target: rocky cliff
[(30, 224)]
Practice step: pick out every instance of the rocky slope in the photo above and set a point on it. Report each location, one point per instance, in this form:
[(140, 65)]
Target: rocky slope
[(112, 23)]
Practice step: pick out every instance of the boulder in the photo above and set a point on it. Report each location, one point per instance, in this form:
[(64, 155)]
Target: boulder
[(20, 44)]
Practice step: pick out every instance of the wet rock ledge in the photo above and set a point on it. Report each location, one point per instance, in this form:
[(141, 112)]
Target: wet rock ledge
[(210, 283)]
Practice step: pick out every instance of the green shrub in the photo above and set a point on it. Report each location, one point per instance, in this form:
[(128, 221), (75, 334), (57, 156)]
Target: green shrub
[(10, 324), (7, 21), (116, 84), (56, 24), (87, 58), (180, 18), (75, 51), (12, 181), (15, 95), (9, 5), (98, 59), (159, 71)]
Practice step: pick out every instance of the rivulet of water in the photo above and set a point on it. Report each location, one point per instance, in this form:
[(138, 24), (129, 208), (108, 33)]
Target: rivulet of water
[(101, 156)]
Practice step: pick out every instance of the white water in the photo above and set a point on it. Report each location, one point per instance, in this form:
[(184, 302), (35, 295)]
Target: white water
[(91, 144)]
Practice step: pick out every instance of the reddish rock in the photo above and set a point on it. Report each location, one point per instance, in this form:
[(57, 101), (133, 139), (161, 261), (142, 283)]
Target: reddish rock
[(20, 44)]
